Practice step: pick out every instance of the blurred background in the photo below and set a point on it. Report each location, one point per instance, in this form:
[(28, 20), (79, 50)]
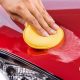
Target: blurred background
[(62, 4)]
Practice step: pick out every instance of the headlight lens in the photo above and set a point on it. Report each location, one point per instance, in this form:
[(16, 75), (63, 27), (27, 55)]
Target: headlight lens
[(19, 69)]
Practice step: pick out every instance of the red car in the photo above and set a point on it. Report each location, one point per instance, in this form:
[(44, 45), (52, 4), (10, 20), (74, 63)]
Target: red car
[(21, 62)]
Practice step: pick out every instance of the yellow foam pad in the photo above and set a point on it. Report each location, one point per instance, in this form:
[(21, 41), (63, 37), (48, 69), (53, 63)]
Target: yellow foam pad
[(35, 40)]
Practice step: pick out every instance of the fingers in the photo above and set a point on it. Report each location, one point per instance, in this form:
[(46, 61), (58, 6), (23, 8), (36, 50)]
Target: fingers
[(17, 18), (45, 14), (26, 10), (27, 16), (41, 20)]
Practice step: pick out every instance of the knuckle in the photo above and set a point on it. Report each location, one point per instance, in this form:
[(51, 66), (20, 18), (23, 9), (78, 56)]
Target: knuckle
[(40, 29), (33, 21), (19, 7), (25, 0), (28, 0), (43, 9), (39, 15), (47, 28), (43, 12), (41, 20)]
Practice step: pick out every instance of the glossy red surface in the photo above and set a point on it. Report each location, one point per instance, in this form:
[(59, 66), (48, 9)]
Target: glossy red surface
[(63, 61)]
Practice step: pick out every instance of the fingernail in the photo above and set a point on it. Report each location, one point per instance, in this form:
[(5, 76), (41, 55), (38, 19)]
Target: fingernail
[(56, 26), (45, 34), (53, 31)]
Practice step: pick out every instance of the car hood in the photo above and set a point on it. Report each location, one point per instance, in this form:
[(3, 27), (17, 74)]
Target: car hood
[(63, 64)]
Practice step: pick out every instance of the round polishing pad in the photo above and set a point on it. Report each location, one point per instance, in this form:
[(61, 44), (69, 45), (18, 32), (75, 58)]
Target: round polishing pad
[(35, 40)]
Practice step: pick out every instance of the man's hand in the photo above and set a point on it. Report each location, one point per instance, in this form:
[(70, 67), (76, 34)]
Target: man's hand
[(33, 12)]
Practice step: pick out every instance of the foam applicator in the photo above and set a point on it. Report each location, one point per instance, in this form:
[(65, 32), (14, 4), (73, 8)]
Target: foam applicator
[(35, 40)]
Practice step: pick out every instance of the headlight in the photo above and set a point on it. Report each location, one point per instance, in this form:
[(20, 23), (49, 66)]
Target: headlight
[(19, 69)]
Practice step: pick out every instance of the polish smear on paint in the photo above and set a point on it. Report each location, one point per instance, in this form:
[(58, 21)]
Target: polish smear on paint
[(68, 52)]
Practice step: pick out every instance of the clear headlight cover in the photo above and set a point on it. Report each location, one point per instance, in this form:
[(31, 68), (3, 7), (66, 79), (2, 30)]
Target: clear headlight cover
[(20, 69)]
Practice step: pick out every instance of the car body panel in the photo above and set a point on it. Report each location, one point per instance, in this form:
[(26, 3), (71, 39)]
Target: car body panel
[(11, 40)]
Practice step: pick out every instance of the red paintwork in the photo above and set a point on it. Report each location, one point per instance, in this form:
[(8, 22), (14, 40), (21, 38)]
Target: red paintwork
[(67, 69)]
